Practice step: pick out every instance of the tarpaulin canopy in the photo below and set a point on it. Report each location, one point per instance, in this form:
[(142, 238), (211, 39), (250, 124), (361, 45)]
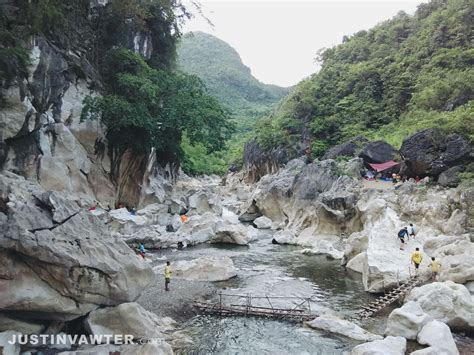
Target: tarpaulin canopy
[(383, 166)]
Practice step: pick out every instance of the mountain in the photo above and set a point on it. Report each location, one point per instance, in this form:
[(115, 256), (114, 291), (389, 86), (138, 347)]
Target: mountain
[(226, 77), (403, 75)]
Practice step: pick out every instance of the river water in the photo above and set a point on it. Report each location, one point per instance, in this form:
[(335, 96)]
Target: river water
[(274, 270)]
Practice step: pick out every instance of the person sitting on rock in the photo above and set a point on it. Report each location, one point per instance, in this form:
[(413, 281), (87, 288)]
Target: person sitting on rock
[(167, 275), (411, 230), (402, 233), (416, 259), (435, 265)]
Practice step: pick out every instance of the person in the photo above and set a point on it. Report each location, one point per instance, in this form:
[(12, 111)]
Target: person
[(167, 275), (417, 179), (184, 218), (402, 233), (416, 259), (411, 230), (435, 265), (141, 250)]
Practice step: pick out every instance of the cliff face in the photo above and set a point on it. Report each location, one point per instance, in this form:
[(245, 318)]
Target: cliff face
[(41, 135)]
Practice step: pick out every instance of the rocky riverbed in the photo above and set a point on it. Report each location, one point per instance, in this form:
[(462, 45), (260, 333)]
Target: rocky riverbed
[(307, 230)]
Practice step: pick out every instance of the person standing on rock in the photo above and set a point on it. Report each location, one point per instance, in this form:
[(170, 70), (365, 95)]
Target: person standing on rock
[(435, 265), (416, 259), (402, 233), (411, 230), (167, 275), (141, 250)]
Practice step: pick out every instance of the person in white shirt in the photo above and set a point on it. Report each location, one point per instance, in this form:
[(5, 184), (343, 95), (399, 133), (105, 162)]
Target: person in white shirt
[(411, 230)]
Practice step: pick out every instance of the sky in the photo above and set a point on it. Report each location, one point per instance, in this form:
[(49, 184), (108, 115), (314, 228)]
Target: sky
[(279, 40)]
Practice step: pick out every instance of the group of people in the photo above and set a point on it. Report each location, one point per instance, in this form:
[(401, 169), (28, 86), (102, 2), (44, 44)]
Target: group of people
[(417, 256)]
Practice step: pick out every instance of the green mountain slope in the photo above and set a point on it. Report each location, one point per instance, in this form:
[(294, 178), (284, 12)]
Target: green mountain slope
[(226, 77), (405, 74)]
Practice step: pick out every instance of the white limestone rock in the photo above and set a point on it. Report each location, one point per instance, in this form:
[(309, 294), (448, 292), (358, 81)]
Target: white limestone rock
[(407, 321), (388, 346), (203, 269), (127, 318), (263, 222), (447, 302), (438, 336), (336, 325)]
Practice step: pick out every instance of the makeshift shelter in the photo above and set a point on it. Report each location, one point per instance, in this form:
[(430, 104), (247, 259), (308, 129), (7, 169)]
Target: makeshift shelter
[(384, 166)]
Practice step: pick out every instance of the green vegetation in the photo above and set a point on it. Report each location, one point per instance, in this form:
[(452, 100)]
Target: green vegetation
[(405, 74), (145, 108), (231, 82)]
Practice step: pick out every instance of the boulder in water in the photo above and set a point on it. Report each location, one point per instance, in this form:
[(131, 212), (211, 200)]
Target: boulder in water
[(388, 346), (203, 269), (340, 326), (263, 222)]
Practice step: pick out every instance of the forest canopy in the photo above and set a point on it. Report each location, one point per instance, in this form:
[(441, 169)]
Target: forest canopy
[(405, 74)]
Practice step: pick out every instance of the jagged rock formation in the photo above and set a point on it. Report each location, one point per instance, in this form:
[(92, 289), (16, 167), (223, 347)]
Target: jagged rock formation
[(60, 262)]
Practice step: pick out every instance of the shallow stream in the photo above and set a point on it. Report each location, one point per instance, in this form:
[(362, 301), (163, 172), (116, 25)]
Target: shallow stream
[(274, 270)]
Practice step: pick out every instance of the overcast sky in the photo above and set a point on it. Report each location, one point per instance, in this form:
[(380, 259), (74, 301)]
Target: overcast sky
[(278, 40)]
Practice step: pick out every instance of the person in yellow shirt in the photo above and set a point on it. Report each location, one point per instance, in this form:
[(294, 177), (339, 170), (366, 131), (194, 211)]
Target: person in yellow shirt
[(167, 275), (416, 259), (435, 266)]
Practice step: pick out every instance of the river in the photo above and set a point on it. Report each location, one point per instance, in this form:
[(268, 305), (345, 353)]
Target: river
[(274, 270)]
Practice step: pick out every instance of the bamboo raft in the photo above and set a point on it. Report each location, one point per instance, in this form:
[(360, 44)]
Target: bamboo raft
[(299, 313)]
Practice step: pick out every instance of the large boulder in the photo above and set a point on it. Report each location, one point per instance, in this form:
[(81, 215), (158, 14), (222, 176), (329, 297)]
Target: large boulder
[(122, 220), (199, 229), (251, 214), (128, 318), (61, 262), (347, 149), (447, 302), (263, 222), (377, 152), (273, 192), (234, 234), (439, 338), (203, 269), (430, 152), (450, 177), (407, 321), (336, 325), (388, 346), (314, 179)]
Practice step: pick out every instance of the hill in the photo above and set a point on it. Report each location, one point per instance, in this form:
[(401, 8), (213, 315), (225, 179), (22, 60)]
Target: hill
[(226, 77), (403, 75)]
